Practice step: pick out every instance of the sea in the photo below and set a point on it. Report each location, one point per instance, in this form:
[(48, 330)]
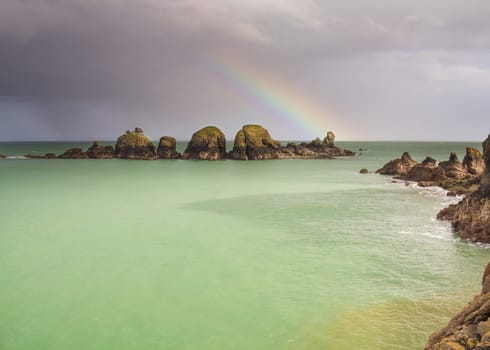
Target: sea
[(198, 255)]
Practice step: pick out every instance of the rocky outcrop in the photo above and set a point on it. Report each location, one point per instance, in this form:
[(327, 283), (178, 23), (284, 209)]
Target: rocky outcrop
[(99, 151), (398, 167), (451, 175), (253, 142), (209, 143), (135, 145), (74, 153), (167, 148), (470, 329), (470, 218), (428, 171), (473, 161)]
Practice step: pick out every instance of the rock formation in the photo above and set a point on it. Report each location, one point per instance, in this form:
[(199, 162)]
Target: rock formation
[(2, 156), (74, 153), (453, 168), (99, 151), (363, 171), (427, 171), (470, 218), (209, 143), (253, 142), (473, 161), (470, 329), (398, 167), (135, 145), (167, 148)]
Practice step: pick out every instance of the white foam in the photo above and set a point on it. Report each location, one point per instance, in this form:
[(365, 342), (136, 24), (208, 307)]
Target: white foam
[(16, 157)]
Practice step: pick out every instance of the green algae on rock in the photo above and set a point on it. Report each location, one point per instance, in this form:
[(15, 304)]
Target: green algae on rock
[(135, 145), (208, 143), (167, 148)]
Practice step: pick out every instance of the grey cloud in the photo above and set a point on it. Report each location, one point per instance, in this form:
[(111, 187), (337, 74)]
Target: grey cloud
[(127, 62)]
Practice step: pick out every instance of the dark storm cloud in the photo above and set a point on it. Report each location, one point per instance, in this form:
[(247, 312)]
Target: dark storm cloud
[(89, 67)]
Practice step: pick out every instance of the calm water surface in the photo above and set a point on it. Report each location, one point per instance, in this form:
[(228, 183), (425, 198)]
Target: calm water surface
[(292, 254)]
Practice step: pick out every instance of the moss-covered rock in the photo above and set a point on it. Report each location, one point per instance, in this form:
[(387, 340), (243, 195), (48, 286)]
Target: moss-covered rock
[(254, 142), (99, 151), (167, 148), (209, 143), (135, 145)]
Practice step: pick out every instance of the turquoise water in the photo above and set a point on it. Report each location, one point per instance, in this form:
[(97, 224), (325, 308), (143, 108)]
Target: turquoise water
[(291, 254)]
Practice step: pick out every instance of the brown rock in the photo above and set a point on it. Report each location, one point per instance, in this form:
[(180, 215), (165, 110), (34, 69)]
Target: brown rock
[(473, 161), (253, 142), (167, 148), (398, 167), (135, 145), (99, 151), (453, 168), (363, 171), (74, 153), (426, 171), (329, 139), (209, 143)]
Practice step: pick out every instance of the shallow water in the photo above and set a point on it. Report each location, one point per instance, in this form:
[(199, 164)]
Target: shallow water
[(292, 254)]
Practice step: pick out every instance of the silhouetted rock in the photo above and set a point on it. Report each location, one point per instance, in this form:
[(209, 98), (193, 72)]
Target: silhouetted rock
[(167, 148), (135, 145), (398, 167), (74, 153), (99, 151), (209, 143), (470, 329), (473, 161)]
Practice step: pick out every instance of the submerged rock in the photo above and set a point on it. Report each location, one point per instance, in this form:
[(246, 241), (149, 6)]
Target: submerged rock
[(135, 145), (470, 329), (99, 151), (209, 143), (167, 148), (470, 218), (398, 167), (74, 153)]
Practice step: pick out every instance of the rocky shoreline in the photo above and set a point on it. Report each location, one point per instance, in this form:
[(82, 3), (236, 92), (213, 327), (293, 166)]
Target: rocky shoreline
[(252, 142), (470, 219)]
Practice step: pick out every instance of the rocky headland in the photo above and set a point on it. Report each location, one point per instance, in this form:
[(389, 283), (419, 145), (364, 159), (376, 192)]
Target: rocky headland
[(457, 177), (470, 219), (252, 142), (470, 329)]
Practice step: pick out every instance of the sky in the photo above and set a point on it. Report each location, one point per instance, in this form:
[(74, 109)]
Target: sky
[(368, 70)]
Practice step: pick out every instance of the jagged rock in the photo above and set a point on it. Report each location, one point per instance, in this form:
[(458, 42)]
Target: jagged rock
[(453, 168), (473, 161), (426, 171), (470, 218), (363, 171), (398, 167), (74, 153), (99, 151), (468, 330), (329, 139), (167, 148), (254, 142), (209, 143), (135, 145)]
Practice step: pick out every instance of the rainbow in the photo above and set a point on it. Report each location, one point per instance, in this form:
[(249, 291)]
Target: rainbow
[(276, 98)]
